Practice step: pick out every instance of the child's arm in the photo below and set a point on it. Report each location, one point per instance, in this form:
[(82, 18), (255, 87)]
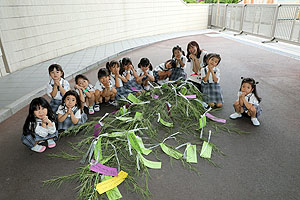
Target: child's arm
[(51, 127), (215, 78), (62, 117), (41, 130), (151, 77), (80, 91), (61, 89), (206, 77), (241, 99), (133, 71), (196, 63), (246, 103), (73, 118), (54, 90), (140, 78), (126, 78), (180, 61)]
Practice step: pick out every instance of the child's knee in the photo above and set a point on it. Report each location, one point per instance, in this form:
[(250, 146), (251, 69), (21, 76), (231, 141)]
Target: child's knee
[(211, 104), (219, 105), (236, 103), (252, 109)]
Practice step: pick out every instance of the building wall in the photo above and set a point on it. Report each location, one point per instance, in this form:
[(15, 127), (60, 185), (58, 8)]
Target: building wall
[(37, 30)]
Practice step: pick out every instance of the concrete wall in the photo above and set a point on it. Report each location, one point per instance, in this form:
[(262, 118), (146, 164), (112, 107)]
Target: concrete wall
[(38, 30)]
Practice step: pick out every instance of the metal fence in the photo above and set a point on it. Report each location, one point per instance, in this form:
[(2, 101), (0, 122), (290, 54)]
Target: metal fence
[(268, 20)]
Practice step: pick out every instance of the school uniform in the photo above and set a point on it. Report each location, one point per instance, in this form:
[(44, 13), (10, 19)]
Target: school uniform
[(90, 88), (40, 134), (178, 72), (99, 86), (68, 121), (140, 73), (57, 100), (159, 68), (188, 69), (212, 90), (251, 98), (121, 91), (131, 83)]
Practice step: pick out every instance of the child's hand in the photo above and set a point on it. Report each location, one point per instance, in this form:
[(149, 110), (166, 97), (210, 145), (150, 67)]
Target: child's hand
[(57, 82), (45, 120), (130, 67), (77, 86), (192, 56), (210, 67), (69, 110)]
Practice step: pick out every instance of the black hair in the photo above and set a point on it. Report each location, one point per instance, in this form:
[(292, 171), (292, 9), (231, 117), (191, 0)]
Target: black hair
[(177, 48), (211, 55), (72, 93), (199, 51), (57, 67), (145, 62), (102, 72), (34, 105), (253, 84), (124, 62), (80, 76), (110, 64), (173, 63)]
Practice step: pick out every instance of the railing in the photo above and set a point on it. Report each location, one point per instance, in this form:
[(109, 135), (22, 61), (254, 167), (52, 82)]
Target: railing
[(275, 22)]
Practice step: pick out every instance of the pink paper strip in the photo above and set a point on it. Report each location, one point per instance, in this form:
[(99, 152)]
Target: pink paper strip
[(97, 129), (192, 96), (155, 97), (210, 116), (102, 169), (134, 89)]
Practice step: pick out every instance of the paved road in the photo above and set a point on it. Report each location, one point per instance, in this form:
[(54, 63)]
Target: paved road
[(261, 165)]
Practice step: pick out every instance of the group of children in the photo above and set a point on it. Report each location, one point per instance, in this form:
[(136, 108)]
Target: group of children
[(119, 78)]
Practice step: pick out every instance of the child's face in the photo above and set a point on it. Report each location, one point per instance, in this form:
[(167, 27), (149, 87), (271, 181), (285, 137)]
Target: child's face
[(247, 88), (126, 67), (193, 49), (168, 65), (82, 83), (213, 61), (70, 101), (177, 53), (145, 68), (55, 74), (114, 69), (40, 112), (104, 80)]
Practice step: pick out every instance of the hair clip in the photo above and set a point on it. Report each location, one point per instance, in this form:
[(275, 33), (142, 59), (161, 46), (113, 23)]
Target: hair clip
[(242, 77), (257, 82)]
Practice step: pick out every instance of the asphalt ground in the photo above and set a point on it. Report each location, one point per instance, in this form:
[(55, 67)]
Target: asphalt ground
[(263, 164)]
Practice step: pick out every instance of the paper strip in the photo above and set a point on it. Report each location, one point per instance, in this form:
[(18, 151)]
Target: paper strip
[(111, 183), (124, 118), (192, 96), (191, 154), (163, 122), (145, 151), (114, 193), (123, 110), (133, 141), (133, 98), (202, 122), (149, 163), (138, 116), (183, 90), (97, 130), (206, 150), (134, 89), (102, 169), (98, 151), (210, 116), (171, 152)]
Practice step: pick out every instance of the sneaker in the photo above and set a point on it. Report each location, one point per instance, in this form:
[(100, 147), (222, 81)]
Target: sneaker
[(235, 115), (51, 143), (38, 148), (91, 110), (97, 107), (255, 121)]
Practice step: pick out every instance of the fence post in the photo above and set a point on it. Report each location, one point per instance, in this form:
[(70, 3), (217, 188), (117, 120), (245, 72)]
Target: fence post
[(4, 57), (242, 21), (295, 16), (274, 25)]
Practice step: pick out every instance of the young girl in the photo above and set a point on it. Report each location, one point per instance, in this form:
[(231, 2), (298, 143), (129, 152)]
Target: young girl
[(129, 74), (248, 101), (180, 60), (163, 71), (57, 87), (69, 113), (210, 75), (116, 79), (86, 92), (196, 60), (39, 126), (104, 88), (145, 73)]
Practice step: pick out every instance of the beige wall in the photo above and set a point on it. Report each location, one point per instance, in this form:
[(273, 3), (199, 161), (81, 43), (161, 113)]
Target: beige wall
[(37, 30)]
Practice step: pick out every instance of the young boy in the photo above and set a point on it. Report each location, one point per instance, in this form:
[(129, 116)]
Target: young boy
[(103, 88)]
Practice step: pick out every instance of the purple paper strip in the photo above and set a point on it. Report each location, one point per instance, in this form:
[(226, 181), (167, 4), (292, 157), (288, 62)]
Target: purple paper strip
[(155, 97), (134, 89), (97, 129), (210, 116), (192, 96), (102, 169)]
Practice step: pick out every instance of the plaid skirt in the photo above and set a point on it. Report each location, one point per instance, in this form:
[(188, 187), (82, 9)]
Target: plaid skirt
[(31, 139), (54, 103), (257, 107), (212, 92), (132, 84), (122, 92), (68, 122), (177, 73)]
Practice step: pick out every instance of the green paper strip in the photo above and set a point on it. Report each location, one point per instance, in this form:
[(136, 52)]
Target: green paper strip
[(124, 118), (202, 121), (98, 149), (133, 98), (114, 193), (206, 150), (163, 122), (138, 116), (145, 151), (115, 134), (149, 163), (123, 110), (133, 141), (191, 154), (183, 90), (171, 152)]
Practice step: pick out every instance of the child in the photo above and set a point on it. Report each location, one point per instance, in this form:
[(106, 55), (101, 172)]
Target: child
[(210, 76), (57, 87), (145, 73), (116, 79), (163, 71), (196, 60), (69, 113), (180, 59), (130, 74), (104, 88), (86, 92), (39, 126), (248, 101)]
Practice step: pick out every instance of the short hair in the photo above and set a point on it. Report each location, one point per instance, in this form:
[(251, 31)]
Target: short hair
[(102, 72), (80, 76)]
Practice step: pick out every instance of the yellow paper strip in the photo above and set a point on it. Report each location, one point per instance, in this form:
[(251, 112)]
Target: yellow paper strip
[(111, 183)]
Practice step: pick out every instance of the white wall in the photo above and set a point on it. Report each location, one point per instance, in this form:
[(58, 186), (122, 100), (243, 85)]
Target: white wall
[(38, 30)]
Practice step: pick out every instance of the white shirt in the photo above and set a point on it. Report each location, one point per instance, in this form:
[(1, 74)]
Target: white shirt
[(64, 83), (140, 72), (250, 98), (99, 86), (44, 132), (113, 81), (62, 110), (131, 77), (188, 69), (210, 78), (160, 67), (183, 59)]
